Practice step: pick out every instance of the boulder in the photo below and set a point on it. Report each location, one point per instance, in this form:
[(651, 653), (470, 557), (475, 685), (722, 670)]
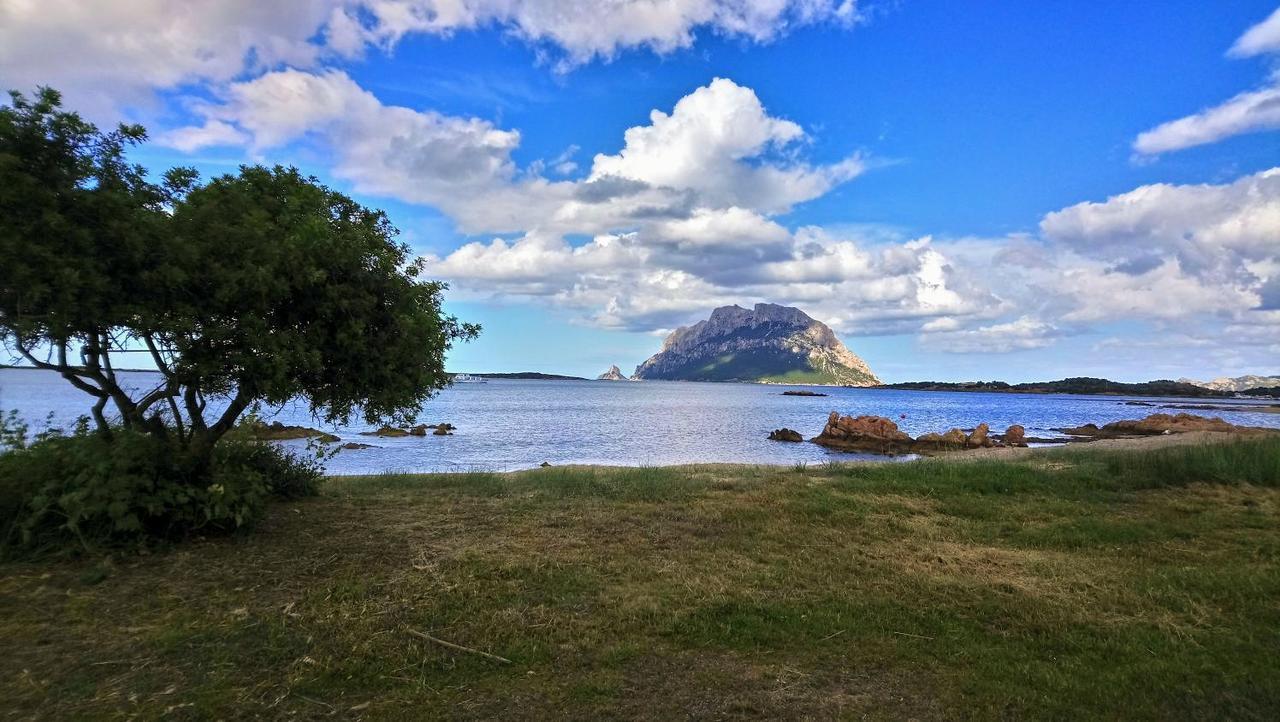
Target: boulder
[(933, 441), (419, 430), (785, 435), (357, 445), (1153, 425), (863, 433), (981, 437), (1015, 436), (276, 431), (1167, 424), (1086, 430), (443, 430), (386, 431)]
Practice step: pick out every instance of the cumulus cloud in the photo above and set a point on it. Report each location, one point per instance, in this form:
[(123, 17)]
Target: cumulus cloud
[(718, 149), (1194, 220), (583, 30), (644, 281), (1248, 112), (416, 156), (1168, 252), (106, 56), (705, 146)]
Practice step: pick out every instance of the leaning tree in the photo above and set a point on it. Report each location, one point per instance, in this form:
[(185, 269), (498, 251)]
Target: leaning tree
[(263, 286)]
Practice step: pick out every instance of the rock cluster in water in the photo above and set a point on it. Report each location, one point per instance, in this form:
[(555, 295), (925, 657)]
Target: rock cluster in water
[(881, 435), (276, 431), (785, 434), (443, 429)]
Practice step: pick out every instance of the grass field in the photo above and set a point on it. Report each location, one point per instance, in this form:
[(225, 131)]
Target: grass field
[(1070, 584)]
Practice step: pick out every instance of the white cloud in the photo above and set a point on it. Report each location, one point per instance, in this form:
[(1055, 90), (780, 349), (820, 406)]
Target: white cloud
[(650, 279), (584, 30), (104, 55), (1021, 334), (1201, 223), (706, 144), (417, 156), (111, 55), (1249, 112), (1166, 252), (212, 133), (1261, 38), (717, 150)]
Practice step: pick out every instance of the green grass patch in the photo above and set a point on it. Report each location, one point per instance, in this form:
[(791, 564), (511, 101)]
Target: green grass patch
[(1074, 584)]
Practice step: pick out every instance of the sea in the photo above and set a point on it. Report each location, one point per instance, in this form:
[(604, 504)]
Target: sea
[(507, 425)]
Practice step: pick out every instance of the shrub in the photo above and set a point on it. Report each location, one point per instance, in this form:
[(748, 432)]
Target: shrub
[(86, 490), (286, 475)]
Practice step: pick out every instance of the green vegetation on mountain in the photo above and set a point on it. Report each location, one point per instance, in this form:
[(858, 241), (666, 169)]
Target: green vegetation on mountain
[(769, 344)]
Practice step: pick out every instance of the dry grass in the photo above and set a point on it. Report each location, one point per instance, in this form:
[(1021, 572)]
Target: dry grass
[(932, 590)]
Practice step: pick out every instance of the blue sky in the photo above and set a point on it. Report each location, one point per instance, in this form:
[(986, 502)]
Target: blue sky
[(962, 190)]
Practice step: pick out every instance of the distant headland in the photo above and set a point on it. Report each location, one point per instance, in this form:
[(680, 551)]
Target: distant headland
[(765, 344)]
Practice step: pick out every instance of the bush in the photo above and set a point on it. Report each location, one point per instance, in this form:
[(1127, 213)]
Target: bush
[(285, 474), (84, 490)]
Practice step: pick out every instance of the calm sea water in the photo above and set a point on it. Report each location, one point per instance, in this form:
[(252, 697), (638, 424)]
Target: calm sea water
[(506, 425)]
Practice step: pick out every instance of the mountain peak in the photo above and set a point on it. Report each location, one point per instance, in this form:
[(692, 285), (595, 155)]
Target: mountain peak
[(767, 343), (613, 374)]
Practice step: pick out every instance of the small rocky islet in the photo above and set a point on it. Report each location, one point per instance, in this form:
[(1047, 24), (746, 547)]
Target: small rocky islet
[(443, 429)]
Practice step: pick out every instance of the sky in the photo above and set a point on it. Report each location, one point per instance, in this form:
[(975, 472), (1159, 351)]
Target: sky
[(984, 190)]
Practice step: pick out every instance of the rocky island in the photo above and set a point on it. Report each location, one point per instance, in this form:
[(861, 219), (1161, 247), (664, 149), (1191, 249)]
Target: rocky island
[(766, 344), (613, 374)]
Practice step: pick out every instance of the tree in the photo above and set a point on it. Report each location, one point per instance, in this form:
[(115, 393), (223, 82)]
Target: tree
[(263, 286)]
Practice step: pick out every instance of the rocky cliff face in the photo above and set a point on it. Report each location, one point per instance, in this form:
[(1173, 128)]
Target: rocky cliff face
[(768, 343), (1239, 383), (613, 374)]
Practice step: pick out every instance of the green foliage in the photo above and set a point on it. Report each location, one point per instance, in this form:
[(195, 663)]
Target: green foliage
[(286, 475), (89, 491), (263, 286), (297, 290), (76, 221)]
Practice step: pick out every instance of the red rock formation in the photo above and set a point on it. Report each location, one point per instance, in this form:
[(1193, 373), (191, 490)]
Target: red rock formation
[(980, 437), (1154, 424), (1015, 436), (863, 433)]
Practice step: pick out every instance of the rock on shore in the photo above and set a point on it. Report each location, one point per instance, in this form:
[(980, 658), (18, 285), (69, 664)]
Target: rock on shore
[(1151, 425), (880, 435)]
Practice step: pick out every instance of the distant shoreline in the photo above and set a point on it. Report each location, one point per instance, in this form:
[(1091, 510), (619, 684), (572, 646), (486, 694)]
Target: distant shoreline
[(1081, 386)]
